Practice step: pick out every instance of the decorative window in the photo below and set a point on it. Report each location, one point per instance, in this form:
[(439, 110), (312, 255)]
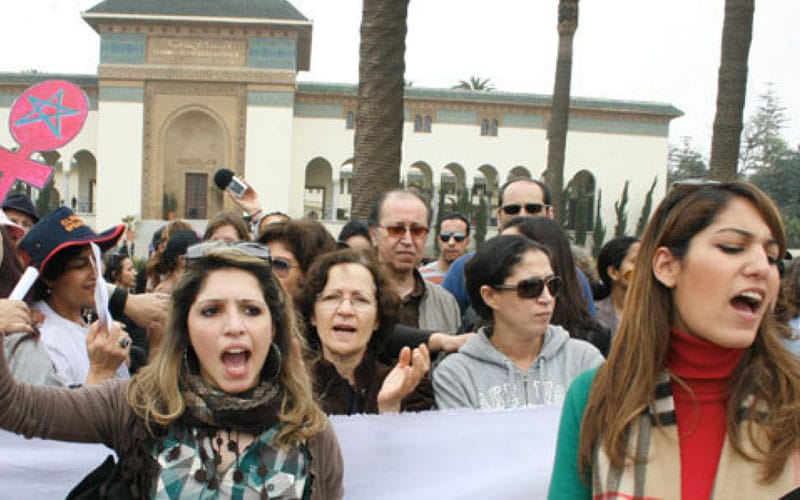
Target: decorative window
[(350, 121), (427, 126), (489, 127), (418, 123)]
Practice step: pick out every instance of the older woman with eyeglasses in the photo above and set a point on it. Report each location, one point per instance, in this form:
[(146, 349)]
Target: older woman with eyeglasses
[(293, 245), (350, 310), (520, 359)]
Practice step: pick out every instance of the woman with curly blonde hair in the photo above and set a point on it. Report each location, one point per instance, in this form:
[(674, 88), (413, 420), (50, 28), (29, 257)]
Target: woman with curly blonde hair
[(224, 410), (698, 398)]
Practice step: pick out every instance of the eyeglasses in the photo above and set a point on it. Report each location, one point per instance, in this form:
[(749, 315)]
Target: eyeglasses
[(531, 288), (531, 208), (247, 247), (334, 300), (281, 266), (459, 237), (399, 231)]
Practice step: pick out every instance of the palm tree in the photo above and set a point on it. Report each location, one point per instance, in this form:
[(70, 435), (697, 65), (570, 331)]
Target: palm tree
[(475, 83), (559, 114), (737, 31), (379, 112)]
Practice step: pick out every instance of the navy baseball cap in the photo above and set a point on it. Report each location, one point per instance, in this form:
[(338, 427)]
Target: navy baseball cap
[(58, 230), (21, 203)]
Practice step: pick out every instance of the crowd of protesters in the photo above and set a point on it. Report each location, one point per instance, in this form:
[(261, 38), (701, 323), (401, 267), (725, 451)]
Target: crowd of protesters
[(677, 371)]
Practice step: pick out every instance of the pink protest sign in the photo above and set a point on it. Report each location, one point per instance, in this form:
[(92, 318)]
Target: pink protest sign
[(45, 117)]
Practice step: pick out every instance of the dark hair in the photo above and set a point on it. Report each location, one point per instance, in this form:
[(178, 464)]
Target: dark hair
[(453, 216), (571, 310), (612, 254), (305, 238), (377, 205), (493, 263), (227, 219), (113, 265), (548, 199), (354, 228), (11, 267), (317, 278), (55, 269), (177, 244)]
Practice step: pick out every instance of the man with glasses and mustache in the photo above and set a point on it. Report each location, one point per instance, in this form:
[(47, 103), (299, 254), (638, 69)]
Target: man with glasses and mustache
[(453, 236), (399, 224)]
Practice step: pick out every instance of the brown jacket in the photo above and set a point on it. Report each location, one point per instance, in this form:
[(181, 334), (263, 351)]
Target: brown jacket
[(338, 397), (100, 414)]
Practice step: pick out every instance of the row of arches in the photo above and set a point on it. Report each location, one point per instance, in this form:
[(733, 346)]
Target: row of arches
[(327, 191)]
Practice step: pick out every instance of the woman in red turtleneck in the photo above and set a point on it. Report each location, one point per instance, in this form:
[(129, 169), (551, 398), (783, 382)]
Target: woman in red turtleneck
[(698, 399)]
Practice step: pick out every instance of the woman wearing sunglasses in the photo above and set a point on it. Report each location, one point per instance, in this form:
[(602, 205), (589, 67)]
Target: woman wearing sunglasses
[(293, 245), (224, 410), (571, 310), (350, 311), (699, 397), (520, 359)]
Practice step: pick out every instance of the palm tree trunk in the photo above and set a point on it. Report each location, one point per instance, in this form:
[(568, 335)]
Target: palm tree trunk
[(379, 115), (557, 131), (737, 31)]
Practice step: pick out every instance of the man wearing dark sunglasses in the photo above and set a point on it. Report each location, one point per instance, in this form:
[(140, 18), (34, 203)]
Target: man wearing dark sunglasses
[(452, 237)]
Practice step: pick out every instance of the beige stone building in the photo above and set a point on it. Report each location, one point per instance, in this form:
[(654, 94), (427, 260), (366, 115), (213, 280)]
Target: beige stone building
[(185, 87)]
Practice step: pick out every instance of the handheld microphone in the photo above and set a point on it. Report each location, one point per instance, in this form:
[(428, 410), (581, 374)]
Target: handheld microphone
[(227, 181)]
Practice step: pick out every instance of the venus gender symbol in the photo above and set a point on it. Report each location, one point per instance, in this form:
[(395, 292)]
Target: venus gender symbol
[(45, 117)]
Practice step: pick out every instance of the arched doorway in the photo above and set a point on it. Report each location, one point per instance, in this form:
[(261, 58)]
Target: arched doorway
[(195, 146), (318, 196)]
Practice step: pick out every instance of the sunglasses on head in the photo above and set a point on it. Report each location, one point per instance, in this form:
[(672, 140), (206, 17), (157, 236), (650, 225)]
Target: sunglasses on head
[(459, 237), (250, 248), (531, 288), (399, 231), (515, 208)]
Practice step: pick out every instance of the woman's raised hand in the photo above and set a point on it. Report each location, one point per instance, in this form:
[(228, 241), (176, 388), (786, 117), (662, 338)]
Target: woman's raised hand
[(108, 348), (403, 379)]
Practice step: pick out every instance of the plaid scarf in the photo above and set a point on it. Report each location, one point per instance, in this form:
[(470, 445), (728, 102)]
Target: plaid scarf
[(253, 411)]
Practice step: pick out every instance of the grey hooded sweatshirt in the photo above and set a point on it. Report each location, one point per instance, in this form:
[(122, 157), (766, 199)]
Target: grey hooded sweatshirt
[(479, 376)]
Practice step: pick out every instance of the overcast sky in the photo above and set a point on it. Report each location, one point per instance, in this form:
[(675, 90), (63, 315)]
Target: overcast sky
[(624, 49)]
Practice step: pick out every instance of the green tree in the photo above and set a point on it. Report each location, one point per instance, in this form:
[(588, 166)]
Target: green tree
[(557, 130), (379, 110), (763, 143), (782, 183), (46, 201), (737, 32), (621, 211), (646, 208), (685, 162), (481, 221), (475, 83), (599, 233)]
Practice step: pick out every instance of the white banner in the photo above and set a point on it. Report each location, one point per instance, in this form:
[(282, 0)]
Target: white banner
[(442, 455)]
